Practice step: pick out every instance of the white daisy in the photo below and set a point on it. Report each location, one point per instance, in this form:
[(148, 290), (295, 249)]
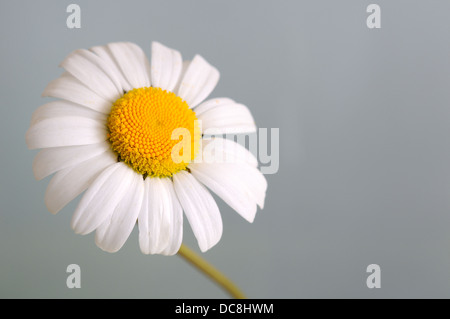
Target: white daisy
[(110, 134)]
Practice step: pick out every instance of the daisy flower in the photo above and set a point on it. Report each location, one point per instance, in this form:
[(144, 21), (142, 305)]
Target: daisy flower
[(111, 135)]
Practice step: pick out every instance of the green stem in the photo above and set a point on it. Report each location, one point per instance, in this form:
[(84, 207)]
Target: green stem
[(212, 272)]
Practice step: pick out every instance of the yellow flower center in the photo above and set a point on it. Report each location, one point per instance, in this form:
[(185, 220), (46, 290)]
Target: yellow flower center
[(153, 131)]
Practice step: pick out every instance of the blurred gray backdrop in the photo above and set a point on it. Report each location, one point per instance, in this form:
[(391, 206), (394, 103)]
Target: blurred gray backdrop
[(364, 119)]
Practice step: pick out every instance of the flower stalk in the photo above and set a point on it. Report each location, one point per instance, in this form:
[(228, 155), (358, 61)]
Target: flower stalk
[(209, 270)]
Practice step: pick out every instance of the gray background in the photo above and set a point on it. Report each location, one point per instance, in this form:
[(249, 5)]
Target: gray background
[(364, 118)]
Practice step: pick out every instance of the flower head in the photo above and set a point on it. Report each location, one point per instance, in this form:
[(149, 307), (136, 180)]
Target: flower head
[(128, 133)]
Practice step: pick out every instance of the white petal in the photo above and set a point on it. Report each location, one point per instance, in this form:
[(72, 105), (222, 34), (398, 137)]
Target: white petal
[(115, 230), (184, 68), (166, 66), (198, 82), (227, 119), (72, 181), (63, 108), (177, 229), (200, 208), (133, 63), (212, 103), (105, 53), (220, 150), (257, 184), (102, 197), (65, 131), (51, 160), (94, 73), (253, 179), (161, 218), (229, 183), (67, 87)]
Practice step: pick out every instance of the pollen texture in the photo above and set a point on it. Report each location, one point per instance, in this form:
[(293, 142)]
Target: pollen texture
[(141, 130)]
